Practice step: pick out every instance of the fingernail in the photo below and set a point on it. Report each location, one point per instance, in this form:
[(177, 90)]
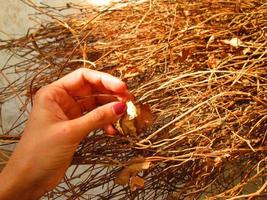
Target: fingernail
[(119, 108)]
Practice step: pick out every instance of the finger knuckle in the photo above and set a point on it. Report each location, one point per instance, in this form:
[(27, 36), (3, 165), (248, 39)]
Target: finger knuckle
[(41, 94)]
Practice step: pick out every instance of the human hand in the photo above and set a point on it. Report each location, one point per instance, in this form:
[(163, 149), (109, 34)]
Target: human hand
[(57, 124)]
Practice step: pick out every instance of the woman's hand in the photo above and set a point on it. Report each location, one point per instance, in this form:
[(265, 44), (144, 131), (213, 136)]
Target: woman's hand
[(59, 120)]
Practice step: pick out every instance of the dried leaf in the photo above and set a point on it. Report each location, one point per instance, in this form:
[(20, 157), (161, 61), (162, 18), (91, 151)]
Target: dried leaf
[(117, 126), (123, 177), (144, 118), (136, 183), (211, 40), (136, 119), (132, 168), (131, 110), (235, 42), (137, 165), (127, 125)]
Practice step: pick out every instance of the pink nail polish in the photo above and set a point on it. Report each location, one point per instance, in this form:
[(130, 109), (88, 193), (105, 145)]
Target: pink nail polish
[(119, 108)]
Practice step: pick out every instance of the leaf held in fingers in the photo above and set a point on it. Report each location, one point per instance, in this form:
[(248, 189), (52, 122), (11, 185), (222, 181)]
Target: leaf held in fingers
[(144, 118), (136, 119), (127, 125), (131, 110)]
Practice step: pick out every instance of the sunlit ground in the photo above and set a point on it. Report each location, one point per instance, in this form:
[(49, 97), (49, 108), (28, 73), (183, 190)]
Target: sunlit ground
[(100, 2), (108, 2)]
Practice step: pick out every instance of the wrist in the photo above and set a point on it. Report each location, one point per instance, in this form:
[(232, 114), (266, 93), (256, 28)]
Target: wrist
[(16, 182)]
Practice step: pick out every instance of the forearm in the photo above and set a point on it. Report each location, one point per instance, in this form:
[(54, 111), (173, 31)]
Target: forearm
[(10, 190), (16, 183)]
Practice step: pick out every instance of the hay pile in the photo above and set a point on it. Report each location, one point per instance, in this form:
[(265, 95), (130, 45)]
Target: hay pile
[(200, 65)]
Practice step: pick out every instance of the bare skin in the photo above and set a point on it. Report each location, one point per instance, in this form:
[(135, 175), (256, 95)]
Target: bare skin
[(57, 124)]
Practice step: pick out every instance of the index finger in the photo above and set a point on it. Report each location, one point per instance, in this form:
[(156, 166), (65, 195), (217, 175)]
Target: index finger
[(98, 80)]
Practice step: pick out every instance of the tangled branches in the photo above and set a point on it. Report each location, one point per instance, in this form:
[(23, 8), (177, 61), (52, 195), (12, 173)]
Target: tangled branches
[(201, 65)]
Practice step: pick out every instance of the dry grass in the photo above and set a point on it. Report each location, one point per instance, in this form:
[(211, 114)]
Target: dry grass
[(201, 65)]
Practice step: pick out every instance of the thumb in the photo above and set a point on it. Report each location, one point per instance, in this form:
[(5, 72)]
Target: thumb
[(98, 118)]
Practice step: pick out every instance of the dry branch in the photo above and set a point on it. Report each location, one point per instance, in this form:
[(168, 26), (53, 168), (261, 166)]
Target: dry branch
[(200, 64)]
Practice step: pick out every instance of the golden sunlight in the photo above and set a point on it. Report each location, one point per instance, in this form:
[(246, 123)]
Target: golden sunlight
[(99, 2)]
